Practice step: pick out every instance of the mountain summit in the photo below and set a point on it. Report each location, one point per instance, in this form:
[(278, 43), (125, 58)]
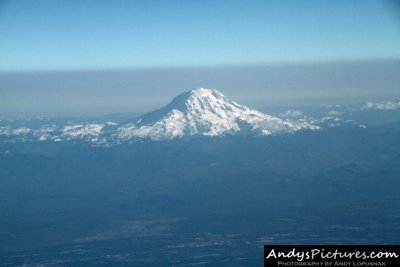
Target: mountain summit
[(205, 112)]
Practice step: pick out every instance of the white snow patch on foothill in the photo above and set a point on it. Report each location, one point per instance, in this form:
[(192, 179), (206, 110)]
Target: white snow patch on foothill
[(81, 130)]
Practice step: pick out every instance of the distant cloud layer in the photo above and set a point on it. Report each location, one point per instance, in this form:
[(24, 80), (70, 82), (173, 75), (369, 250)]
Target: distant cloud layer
[(388, 105), (291, 113)]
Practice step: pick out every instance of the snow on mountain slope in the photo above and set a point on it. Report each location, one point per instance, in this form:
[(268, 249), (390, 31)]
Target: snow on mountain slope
[(198, 112), (79, 130), (205, 112), (9, 131), (86, 131)]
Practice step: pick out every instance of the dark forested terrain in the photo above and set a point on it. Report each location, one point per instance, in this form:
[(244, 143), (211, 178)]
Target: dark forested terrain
[(214, 201)]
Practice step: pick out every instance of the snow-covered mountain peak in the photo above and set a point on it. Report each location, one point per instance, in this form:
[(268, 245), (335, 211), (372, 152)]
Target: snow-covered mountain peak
[(210, 95), (201, 92), (201, 100), (199, 97), (197, 112), (205, 112)]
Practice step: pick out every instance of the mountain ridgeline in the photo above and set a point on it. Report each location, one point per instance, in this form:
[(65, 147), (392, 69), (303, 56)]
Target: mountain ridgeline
[(206, 112), (198, 112), (202, 181)]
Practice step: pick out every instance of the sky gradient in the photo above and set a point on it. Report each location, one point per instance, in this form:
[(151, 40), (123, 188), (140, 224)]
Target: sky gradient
[(99, 34), (97, 57)]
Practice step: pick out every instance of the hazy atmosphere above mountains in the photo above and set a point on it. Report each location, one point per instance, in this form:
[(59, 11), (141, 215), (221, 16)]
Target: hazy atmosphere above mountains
[(89, 93), (87, 58)]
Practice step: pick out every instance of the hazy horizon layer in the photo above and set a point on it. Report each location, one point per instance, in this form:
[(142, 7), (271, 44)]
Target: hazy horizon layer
[(91, 93)]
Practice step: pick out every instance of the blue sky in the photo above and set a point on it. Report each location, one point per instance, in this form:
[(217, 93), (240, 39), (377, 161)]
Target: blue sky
[(97, 57), (81, 35)]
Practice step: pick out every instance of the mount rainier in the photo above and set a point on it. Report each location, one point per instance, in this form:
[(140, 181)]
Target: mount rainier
[(198, 112), (205, 112)]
